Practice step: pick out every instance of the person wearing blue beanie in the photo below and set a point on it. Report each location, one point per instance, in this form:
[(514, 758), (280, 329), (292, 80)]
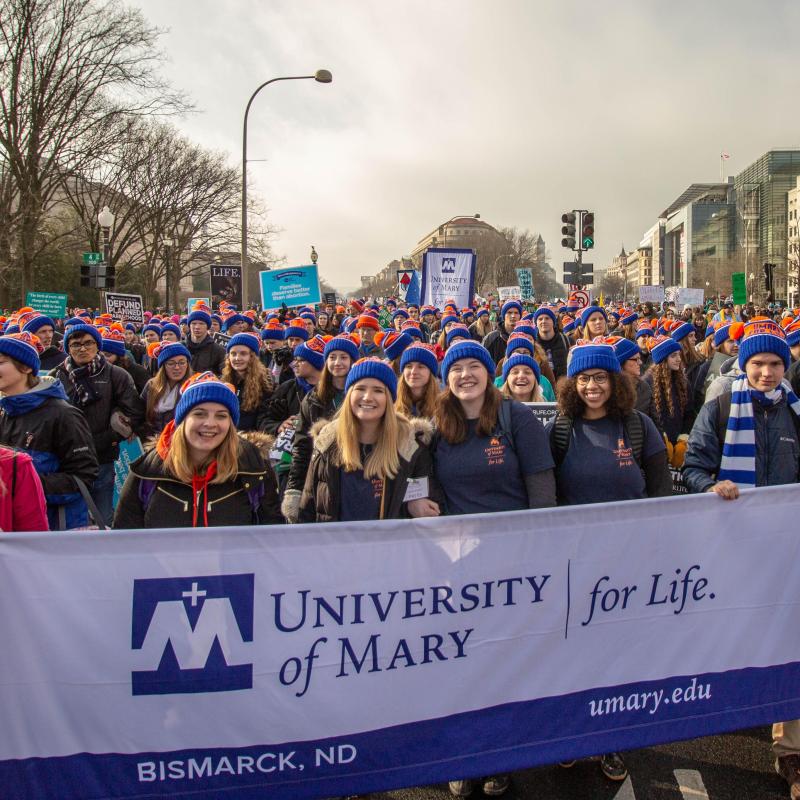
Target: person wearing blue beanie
[(295, 333), (314, 357), (517, 343), (80, 330), (367, 457), (216, 478), (150, 333), (457, 333), (593, 322), (198, 315), (343, 343), (414, 331), (508, 306), (547, 311), (24, 348), (40, 320), (418, 385), (626, 350), (170, 332), (250, 340), (113, 346), (393, 343), (662, 347), (592, 355), (170, 350), (467, 350), (520, 379)]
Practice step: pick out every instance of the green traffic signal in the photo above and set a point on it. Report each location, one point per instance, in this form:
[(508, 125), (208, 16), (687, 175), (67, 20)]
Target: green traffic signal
[(587, 230)]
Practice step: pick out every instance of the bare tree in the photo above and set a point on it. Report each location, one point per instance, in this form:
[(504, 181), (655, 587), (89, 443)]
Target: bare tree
[(66, 68)]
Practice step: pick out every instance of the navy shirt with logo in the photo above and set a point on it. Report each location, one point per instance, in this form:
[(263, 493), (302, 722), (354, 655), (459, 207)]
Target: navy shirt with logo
[(483, 474), (360, 496), (599, 465)]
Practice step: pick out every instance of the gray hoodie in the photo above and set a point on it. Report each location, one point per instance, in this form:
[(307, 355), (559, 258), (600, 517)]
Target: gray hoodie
[(728, 373)]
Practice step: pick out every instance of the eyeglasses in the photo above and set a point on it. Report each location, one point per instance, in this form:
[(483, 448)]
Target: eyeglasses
[(600, 379), (82, 345)]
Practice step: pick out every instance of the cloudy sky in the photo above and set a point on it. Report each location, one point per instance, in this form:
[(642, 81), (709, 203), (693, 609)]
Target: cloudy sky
[(515, 110)]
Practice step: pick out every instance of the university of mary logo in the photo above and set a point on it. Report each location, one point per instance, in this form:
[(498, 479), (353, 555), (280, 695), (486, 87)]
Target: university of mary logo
[(448, 265), (495, 452), (192, 634)]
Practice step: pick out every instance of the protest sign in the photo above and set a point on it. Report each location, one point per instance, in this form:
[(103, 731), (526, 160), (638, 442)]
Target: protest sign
[(128, 452), (525, 278), (226, 661), (125, 307), (690, 297), (739, 288), (226, 284), (509, 293), (297, 286), (220, 338), (47, 303), (543, 411), (651, 294), (192, 301), (448, 274), (329, 298)]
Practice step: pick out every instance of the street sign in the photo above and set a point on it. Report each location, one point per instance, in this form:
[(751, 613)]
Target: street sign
[(581, 274), (739, 285), (49, 304), (92, 258)]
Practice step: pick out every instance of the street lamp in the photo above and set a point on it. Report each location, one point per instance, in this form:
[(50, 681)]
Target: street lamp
[(314, 255), (106, 221), (168, 245), (320, 76)]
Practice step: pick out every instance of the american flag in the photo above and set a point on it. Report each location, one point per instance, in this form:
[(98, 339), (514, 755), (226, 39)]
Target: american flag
[(725, 155)]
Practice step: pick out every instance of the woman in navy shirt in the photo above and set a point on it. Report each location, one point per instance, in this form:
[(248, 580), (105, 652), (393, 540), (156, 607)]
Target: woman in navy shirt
[(418, 387)]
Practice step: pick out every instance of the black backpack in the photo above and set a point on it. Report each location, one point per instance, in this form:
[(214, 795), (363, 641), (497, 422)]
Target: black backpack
[(562, 431)]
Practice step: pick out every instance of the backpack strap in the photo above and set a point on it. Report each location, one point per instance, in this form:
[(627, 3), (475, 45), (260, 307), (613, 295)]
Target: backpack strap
[(562, 433), (14, 474), (634, 430), (723, 412), (504, 421)]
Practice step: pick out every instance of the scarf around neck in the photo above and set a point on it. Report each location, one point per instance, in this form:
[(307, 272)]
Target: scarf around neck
[(81, 378), (739, 451)]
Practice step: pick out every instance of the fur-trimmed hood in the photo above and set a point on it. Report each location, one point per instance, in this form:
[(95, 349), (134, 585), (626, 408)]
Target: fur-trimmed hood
[(420, 432)]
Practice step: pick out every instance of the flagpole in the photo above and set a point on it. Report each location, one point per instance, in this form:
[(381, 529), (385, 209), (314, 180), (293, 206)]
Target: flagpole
[(721, 169)]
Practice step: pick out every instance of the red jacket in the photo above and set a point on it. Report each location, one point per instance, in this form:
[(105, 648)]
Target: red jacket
[(22, 503)]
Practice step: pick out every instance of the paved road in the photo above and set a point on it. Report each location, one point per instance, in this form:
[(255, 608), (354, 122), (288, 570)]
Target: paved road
[(733, 767)]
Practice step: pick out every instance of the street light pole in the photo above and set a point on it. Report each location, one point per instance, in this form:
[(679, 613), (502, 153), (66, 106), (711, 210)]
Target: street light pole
[(321, 76), (106, 221), (167, 263)]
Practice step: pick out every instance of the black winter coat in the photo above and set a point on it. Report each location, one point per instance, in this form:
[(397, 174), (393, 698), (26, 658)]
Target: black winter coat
[(312, 409), (251, 420), (152, 499), (51, 358), (496, 341), (283, 404), (116, 392), (206, 355), (321, 500)]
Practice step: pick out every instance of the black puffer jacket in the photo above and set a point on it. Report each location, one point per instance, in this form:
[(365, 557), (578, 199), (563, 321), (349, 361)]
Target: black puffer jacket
[(152, 499), (496, 341), (206, 355), (284, 403), (312, 409), (322, 497), (116, 392)]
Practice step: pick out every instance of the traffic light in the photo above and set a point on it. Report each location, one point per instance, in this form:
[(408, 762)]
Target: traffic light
[(587, 230), (111, 277), (568, 230), (86, 276), (769, 280)]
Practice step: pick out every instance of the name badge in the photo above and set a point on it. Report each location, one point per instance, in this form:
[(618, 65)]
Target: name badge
[(417, 489)]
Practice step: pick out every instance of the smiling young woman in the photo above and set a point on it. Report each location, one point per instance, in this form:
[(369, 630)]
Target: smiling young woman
[(201, 473), (370, 462)]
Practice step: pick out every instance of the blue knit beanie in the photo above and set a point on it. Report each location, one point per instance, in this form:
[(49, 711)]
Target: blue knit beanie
[(273, 332), (170, 350), (39, 321), (201, 316), (343, 343), (446, 320), (588, 311), (455, 332), (401, 312), (722, 334), (521, 360), (763, 335), (372, 368), (508, 305), (296, 330), (244, 339), (151, 326), (114, 346), (90, 329), (664, 347), (233, 319), (21, 347), (170, 326), (482, 312), (528, 330), (629, 318), (625, 349), (592, 355), (462, 350), (516, 342), (546, 311), (206, 388), (314, 357), (393, 343), (421, 353), (682, 331), (413, 331)]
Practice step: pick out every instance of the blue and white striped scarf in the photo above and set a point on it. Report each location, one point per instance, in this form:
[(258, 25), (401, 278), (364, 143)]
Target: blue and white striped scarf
[(739, 451)]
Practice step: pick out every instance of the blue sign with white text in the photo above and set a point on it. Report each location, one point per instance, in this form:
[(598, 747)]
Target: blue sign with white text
[(295, 286)]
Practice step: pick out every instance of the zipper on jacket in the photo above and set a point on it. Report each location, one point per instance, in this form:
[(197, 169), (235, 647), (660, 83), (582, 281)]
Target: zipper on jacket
[(176, 499), (220, 499)]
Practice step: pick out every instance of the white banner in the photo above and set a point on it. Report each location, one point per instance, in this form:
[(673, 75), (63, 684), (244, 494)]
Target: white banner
[(323, 660), (690, 297), (125, 307), (509, 293), (448, 275), (651, 294)]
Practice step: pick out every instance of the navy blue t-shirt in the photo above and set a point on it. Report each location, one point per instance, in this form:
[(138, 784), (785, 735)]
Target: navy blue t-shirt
[(485, 473), (599, 465)]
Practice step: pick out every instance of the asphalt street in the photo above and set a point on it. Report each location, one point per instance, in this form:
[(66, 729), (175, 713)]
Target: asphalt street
[(737, 766)]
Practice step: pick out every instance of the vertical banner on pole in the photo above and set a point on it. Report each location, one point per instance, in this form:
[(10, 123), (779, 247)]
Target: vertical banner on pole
[(448, 274), (226, 284)]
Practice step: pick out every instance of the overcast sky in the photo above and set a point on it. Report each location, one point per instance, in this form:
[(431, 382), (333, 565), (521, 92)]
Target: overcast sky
[(516, 110)]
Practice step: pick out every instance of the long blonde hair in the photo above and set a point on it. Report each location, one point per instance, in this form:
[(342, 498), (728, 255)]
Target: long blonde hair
[(384, 460), (257, 381), (159, 385), (425, 406), (179, 465)]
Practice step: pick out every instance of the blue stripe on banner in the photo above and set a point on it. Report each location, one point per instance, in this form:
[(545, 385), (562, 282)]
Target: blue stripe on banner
[(499, 739)]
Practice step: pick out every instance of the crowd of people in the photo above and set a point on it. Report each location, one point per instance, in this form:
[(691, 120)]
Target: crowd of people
[(390, 410)]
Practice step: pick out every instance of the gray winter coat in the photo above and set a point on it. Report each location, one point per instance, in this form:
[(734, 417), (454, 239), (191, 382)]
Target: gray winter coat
[(723, 383), (777, 446)]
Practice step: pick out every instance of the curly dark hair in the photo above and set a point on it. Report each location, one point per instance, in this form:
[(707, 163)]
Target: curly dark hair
[(664, 379), (619, 404)]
